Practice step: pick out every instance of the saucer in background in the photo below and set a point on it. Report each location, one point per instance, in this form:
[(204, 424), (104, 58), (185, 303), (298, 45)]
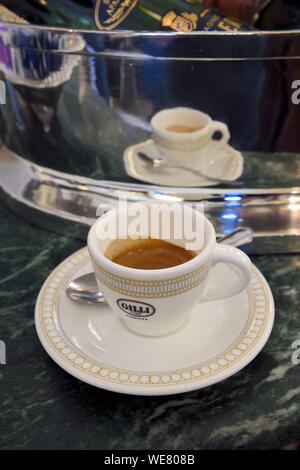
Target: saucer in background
[(214, 159)]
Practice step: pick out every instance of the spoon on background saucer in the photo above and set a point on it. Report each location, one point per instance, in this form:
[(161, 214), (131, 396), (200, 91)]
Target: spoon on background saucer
[(85, 288), (160, 162)]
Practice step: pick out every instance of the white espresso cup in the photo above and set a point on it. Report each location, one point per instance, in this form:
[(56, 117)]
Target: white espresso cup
[(157, 302), (203, 127)]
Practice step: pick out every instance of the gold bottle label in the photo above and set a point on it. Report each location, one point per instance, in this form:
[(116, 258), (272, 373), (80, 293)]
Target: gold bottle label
[(110, 13), (207, 20), (184, 22)]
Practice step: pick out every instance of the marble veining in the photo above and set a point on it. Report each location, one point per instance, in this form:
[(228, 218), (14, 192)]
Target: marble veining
[(42, 407)]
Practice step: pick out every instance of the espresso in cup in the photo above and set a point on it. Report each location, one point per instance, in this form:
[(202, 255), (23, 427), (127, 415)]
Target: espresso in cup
[(147, 253), (182, 129)]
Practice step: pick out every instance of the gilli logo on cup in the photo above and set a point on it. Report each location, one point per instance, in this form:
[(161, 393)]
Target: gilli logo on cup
[(136, 309)]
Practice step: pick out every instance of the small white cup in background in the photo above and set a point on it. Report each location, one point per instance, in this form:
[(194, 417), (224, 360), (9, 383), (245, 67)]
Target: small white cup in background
[(189, 141)]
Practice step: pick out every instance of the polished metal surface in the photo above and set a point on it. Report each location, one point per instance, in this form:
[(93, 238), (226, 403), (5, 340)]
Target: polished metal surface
[(84, 289), (76, 100), (57, 200)]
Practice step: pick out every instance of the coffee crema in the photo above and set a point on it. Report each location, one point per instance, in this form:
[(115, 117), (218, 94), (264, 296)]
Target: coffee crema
[(147, 253), (182, 129)]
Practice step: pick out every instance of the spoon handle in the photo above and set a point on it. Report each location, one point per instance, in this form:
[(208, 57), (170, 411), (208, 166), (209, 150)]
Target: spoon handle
[(161, 161), (207, 177), (240, 236)]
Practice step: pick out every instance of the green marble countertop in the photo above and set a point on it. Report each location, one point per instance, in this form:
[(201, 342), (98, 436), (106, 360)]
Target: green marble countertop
[(42, 407)]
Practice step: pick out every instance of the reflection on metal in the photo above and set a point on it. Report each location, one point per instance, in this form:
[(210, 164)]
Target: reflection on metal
[(20, 67), (76, 100), (56, 200)]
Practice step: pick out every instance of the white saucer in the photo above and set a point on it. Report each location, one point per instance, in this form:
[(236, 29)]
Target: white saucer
[(91, 343), (218, 161)]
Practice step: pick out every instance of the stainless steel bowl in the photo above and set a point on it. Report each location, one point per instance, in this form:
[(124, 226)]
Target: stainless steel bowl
[(75, 100)]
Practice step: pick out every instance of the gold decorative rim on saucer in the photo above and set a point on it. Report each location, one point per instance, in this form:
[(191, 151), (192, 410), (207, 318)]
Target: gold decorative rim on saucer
[(256, 330)]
